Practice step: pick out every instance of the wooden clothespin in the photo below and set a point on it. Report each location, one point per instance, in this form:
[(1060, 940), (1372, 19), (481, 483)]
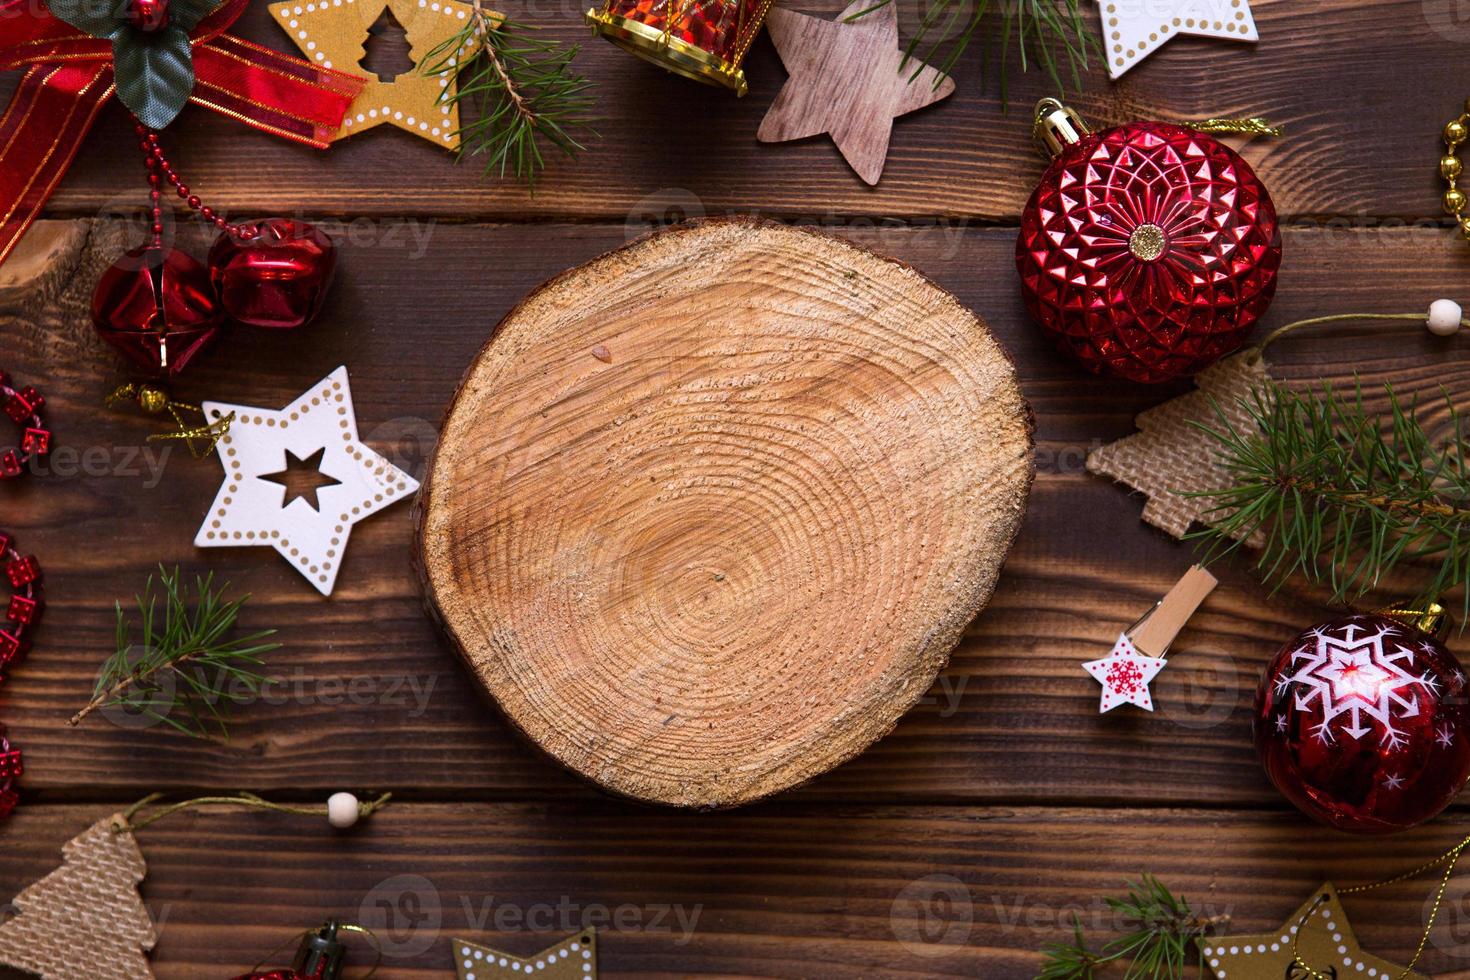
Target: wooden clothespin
[(1154, 633), (1138, 656)]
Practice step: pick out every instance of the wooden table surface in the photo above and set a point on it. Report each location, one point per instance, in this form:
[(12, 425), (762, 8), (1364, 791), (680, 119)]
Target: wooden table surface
[(958, 845)]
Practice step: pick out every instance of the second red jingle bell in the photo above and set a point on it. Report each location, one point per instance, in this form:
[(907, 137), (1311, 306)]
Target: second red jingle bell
[(1148, 251)]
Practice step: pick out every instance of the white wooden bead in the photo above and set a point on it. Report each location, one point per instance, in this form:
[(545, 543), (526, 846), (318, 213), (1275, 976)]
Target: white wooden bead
[(1444, 317), (342, 810)]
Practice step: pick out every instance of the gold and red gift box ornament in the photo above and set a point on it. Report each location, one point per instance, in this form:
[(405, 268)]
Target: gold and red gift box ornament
[(71, 72), (705, 40)]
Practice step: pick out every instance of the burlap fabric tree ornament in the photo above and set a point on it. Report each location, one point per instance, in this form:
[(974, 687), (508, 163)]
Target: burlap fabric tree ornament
[(85, 920), (1169, 459)]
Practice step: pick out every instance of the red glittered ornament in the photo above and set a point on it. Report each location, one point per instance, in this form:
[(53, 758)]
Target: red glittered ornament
[(1363, 723), (1148, 251), (157, 306), (273, 273)]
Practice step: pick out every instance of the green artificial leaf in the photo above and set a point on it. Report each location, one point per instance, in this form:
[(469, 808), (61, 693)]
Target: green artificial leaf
[(99, 18), (188, 13), (155, 73)]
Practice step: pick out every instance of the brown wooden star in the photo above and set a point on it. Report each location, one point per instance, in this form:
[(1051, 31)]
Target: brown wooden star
[(849, 80)]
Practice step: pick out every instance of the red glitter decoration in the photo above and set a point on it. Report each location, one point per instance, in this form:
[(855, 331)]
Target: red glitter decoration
[(1148, 251), (148, 16), (1363, 723), (23, 407)]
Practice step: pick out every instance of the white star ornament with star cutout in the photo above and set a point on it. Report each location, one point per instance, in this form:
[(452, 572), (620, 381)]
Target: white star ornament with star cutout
[(1135, 29), (252, 509)]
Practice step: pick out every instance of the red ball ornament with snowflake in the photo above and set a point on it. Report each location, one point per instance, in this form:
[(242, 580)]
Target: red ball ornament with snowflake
[(1148, 251), (1363, 723)]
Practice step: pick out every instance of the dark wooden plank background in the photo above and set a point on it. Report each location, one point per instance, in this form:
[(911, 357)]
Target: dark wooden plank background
[(955, 847)]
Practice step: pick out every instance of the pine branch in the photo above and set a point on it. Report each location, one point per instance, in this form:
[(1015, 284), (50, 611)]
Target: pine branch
[(1344, 497), (1163, 934), (1052, 33), (186, 669), (520, 91)]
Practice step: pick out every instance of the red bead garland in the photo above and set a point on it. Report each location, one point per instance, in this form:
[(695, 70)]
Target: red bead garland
[(10, 771), (160, 170), (23, 614), (23, 406)]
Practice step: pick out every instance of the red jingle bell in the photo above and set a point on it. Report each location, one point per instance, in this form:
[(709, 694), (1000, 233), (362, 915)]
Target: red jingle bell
[(1363, 723), (157, 307), (274, 273), (1148, 251)]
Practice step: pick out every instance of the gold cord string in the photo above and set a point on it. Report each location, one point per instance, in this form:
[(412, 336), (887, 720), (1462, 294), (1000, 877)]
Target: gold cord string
[(186, 428), (1255, 125), (1259, 350), (1449, 858), (128, 824)]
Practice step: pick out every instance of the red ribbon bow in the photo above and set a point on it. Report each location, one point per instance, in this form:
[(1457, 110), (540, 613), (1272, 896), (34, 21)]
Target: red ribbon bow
[(69, 77)]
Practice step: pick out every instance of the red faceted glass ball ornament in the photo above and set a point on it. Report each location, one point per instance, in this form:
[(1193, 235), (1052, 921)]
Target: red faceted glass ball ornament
[(1363, 723), (1148, 251), (157, 307), (148, 16), (274, 273)]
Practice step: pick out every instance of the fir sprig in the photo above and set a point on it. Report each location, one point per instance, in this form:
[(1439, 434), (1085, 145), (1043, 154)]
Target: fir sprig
[(1052, 33), (1344, 496), (1161, 936), (520, 90), (186, 668)]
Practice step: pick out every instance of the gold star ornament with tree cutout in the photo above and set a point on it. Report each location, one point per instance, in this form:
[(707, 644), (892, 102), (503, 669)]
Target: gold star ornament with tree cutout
[(333, 34), (574, 958), (1318, 933)]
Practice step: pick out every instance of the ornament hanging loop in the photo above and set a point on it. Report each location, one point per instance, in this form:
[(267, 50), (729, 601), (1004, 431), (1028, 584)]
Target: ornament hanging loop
[(1056, 127)]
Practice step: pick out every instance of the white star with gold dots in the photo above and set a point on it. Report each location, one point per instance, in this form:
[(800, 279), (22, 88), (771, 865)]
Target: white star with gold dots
[(309, 529), (1135, 29)]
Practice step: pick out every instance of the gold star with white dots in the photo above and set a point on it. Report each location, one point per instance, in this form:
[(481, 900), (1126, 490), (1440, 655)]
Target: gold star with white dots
[(1317, 934), (1132, 30), (333, 34)]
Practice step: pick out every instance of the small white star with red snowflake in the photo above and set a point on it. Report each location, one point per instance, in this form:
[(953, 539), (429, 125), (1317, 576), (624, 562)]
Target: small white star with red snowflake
[(1124, 675)]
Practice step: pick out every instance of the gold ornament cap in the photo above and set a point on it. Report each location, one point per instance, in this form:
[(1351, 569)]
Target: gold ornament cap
[(1430, 618), (1057, 127)]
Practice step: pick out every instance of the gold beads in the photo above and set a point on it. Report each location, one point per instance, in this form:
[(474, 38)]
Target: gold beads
[(1450, 168)]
